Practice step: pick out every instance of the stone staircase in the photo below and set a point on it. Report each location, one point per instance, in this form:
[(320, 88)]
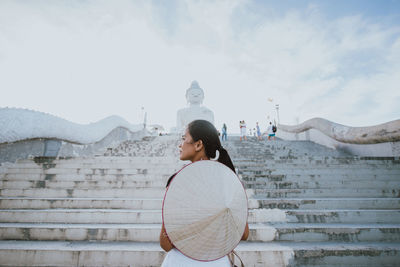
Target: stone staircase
[(309, 206)]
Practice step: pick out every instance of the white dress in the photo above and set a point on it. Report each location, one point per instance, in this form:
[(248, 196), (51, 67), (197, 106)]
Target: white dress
[(243, 129), (175, 258)]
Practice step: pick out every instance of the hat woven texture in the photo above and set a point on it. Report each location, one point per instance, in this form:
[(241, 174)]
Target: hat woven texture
[(205, 210)]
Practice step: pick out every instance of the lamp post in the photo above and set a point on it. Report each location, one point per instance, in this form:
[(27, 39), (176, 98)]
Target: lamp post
[(143, 116), (277, 112)]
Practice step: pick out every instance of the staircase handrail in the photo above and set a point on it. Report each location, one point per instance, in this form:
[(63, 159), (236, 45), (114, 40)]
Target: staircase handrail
[(381, 133)]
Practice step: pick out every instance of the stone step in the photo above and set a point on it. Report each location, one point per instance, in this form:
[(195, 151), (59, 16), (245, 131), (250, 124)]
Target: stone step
[(320, 177), (327, 203), (92, 171), (154, 216), (324, 216), (156, 203), (318, 184), (305, 165), (245, 165), (256, 159), (86, 177), (298, 232), (90, 167), (78, 161), (150, 232), (91, 184), (260, 161), (321, 171), (80, 232), (82, 203), (157, 192), (326, 192), (81, 216), (258, 183), (58, 253), (157, 163), (246, 177), (165, 176)]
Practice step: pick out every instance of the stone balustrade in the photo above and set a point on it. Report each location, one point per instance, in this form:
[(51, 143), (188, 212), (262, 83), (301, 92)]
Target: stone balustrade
[(378, 140)]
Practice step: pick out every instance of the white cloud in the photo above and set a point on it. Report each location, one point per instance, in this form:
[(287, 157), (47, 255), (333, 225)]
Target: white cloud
[(88, 60)]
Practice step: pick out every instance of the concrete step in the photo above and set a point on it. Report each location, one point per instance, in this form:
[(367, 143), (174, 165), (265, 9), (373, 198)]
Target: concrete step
[(327, 192), (80, 232), (327, 203), (260, 161), (150, 232), (154, 216), (314, 184), (93, 171), (81, 216), (258, 183), (343, 216), (315, 159), (86, 177), (79, 161), (157, 192), (324, 216), (156, 203), (298, 232), (58, 253), (156, 163), (164, 177), (81, 203), (319, 177), (320, 171), (91, 184), (305, 165)]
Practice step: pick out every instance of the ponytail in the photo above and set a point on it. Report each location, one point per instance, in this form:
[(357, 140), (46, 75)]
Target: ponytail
[(225, 159)]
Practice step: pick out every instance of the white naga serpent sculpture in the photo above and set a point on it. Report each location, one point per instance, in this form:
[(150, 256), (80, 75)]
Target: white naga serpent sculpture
[(386, 132)]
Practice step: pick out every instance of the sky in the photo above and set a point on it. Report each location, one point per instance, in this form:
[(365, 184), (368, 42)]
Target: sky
[(86, 60)]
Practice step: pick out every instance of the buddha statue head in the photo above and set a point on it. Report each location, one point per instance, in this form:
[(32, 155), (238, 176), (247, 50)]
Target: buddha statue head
[(194, 95)]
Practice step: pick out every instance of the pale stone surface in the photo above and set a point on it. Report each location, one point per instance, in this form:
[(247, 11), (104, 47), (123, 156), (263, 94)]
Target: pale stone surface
[(386, 132), (381, 140), (195, 111), (332, 210), (267, 215)]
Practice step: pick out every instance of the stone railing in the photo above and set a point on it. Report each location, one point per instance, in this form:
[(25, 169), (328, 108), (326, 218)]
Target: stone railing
[(28, 133), (54, 147), (378, 140)]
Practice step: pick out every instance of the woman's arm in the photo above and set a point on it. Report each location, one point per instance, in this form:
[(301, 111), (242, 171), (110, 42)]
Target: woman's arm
[(165, 243), (246, 232)]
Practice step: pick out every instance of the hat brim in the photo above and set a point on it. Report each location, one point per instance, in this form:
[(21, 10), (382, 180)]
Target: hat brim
[(205, 210)]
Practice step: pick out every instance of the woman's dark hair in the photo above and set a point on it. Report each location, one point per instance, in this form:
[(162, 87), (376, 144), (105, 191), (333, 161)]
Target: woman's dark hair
[(205, 131)]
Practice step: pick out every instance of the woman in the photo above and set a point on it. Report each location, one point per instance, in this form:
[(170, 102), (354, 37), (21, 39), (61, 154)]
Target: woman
[(224, 132), (259, 136), (243, 130), (200, 142)]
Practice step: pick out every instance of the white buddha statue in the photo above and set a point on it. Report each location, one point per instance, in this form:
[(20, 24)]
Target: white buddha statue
[(195, 111)]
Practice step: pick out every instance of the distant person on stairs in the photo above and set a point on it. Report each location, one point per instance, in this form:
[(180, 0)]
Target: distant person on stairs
[(224, 132), (270, 131), (242, 126), (259, 136), (200, 142)]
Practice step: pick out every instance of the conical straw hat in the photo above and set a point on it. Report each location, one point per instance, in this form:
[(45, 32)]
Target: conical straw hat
[(205, 210)]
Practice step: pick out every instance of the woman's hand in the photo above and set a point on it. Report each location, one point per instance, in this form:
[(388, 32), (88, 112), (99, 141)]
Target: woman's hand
[(246, 232), (165, 243)]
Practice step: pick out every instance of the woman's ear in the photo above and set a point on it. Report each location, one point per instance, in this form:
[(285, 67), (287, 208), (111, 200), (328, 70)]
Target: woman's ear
[(198, 146)]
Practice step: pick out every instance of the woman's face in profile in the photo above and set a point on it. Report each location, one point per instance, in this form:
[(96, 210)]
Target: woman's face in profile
[(186, 147)]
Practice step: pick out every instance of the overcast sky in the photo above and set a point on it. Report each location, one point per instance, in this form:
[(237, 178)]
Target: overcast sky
[(87, 60)]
